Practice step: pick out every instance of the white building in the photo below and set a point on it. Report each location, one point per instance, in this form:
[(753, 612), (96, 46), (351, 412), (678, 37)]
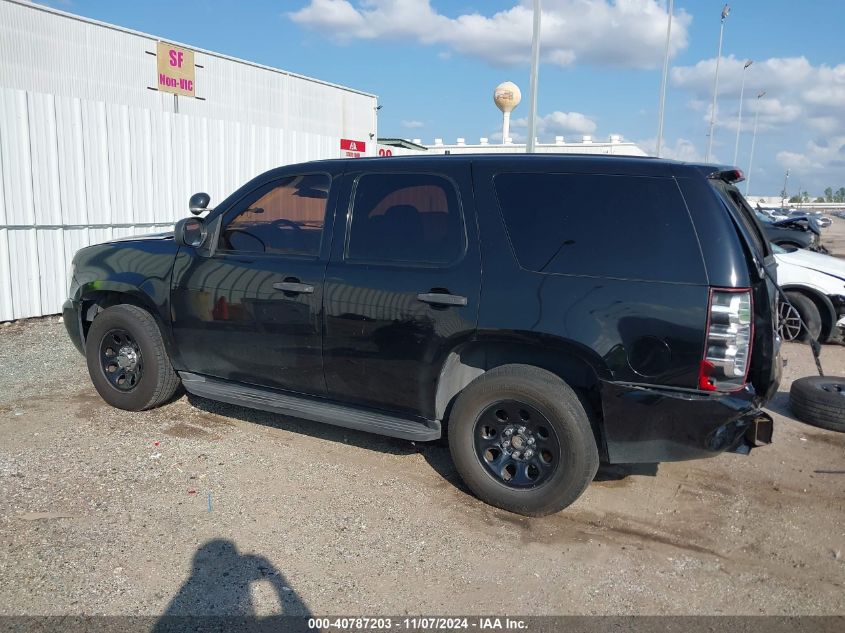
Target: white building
[(92, 146), (615, 145), (586, 145)]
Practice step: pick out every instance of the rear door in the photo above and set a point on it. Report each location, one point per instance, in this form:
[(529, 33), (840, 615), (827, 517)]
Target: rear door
[(402, 284)]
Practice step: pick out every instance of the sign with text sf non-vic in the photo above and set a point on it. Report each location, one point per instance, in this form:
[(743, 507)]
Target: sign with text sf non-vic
[(352, 149), (175, 69)]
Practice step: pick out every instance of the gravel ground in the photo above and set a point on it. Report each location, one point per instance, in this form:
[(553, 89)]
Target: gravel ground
[(200, 507)]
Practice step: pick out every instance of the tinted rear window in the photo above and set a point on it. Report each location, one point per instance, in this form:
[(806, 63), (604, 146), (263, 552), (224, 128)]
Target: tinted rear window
[(630, 227), (744, 215)]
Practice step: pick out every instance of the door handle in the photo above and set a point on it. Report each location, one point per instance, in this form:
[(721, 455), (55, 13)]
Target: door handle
[(294, 287), (442, 298)]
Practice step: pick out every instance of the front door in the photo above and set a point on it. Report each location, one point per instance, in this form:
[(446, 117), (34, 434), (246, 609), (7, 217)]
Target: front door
[(402, 285), (250, 311)]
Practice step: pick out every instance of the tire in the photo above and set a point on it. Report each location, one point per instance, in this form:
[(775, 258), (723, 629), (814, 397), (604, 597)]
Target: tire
[(545, 417), (125, 341), (789, 328), (820, 401)]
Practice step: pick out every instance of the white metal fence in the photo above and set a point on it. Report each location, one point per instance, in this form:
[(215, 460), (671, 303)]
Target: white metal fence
[(86, 157)]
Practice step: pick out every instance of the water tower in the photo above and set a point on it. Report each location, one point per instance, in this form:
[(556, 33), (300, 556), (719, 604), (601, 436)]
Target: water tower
[(506, 97)]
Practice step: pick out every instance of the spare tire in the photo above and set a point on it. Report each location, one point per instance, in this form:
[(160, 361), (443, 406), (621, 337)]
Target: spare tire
[(820, 401)]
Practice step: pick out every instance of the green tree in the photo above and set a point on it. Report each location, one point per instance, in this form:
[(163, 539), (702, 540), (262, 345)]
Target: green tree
[(820, 199), (794, 199), (840, 195), (828, 194)]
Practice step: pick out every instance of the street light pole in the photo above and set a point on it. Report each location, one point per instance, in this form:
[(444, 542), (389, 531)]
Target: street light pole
[(753, 140), (535, 63), (726, 10), (785, 194), (739, 116), (661, 109)]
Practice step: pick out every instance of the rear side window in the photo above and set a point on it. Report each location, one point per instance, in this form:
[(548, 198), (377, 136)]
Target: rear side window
[(405, 218), (629, 227)]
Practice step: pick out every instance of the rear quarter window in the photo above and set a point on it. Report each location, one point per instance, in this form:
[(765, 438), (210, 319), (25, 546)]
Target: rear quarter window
[(627, 227)]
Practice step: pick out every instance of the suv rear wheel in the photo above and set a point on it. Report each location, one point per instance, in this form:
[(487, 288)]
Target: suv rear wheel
[(521, 440), (127, 360)]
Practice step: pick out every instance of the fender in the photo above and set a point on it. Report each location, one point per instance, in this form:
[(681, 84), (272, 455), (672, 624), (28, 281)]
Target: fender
[(822, 301), (138, 273), (577, 365)]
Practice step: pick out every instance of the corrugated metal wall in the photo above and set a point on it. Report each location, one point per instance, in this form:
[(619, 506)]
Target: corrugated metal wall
[(88, 152)]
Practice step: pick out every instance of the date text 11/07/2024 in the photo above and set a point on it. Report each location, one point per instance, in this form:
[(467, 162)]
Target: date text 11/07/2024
[(417, 623)]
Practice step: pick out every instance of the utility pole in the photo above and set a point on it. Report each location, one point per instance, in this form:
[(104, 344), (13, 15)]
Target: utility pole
[(535, 69), (662, 108), (753, 140), (726, 10), (739, 116)]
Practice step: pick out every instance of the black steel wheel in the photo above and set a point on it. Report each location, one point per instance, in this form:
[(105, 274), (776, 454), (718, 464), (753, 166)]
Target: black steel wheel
[(121, 359), (127, 359), (516, 444), (521, 439)]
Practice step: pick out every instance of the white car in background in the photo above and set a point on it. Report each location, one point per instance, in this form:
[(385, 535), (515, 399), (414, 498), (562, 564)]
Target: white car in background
[(815, 286)]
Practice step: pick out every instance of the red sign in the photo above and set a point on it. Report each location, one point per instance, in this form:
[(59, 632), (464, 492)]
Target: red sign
[(352, 146), (352, 149)]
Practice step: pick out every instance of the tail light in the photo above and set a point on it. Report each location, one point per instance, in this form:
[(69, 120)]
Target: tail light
[(727, 349)]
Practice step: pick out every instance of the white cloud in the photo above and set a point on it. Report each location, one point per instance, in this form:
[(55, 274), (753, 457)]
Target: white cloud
[(796, 92), (559, 123), (682, 149), (412, 124), (629, 33), (826, 159), (803, 101)]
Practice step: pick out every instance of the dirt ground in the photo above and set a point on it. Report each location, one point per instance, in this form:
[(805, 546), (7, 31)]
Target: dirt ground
[(199, 507)]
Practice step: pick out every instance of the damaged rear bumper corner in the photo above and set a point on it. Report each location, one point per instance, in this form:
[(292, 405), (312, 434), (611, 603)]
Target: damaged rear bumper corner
[(644, 424), (759, 429)]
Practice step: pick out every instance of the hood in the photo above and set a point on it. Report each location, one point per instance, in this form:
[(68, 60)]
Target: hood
[(800, 222), (815, 261), (168, 235)]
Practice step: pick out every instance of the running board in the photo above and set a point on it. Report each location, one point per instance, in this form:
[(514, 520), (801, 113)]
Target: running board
[(310, 408)]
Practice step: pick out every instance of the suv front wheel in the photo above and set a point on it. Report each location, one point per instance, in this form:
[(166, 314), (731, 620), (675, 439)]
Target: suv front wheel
[(521, 440), (127, 360)]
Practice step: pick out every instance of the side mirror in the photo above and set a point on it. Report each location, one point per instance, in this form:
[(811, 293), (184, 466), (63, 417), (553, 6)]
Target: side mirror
[(199, 203), (190, 232)]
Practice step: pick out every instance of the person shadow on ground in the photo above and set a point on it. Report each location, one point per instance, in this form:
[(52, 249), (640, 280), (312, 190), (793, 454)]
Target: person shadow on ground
[(218, 592)]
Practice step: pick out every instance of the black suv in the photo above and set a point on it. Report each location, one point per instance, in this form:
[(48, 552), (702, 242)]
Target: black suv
[(545, 312)]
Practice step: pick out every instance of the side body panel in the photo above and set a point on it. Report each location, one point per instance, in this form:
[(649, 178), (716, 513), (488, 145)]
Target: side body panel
[(608, 321), (383, 346), (643, 339)]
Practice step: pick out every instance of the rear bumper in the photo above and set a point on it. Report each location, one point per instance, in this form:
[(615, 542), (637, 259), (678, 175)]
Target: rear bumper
[(649, 424), (73, 324)]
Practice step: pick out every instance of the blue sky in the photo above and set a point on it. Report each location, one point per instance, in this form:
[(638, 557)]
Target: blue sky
[(434, 65)]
